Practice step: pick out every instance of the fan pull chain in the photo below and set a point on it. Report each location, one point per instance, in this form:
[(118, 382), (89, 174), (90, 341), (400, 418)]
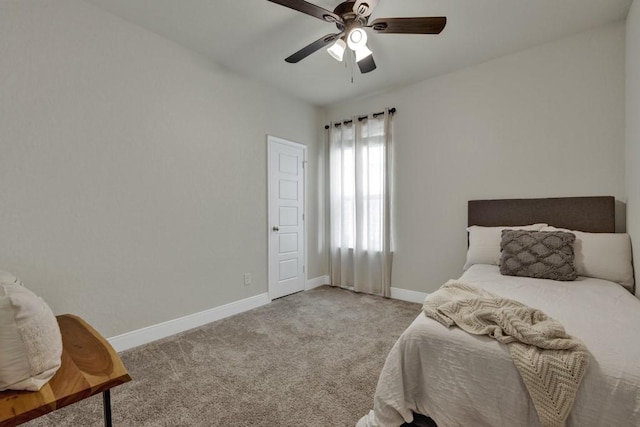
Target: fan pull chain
[(351, 60)]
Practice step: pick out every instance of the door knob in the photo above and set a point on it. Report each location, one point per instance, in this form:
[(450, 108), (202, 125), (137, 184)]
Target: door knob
[(276, 228)]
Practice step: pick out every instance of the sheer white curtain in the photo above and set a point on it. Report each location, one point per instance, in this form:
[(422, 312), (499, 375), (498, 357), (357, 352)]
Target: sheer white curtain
[(360, 173)]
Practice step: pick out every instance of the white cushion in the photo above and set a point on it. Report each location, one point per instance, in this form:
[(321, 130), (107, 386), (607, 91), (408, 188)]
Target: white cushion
[(30, 341), (603, 256), (484, 243)]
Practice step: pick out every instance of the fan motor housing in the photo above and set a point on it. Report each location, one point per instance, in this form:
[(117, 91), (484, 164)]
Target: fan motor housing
[(349, 17)]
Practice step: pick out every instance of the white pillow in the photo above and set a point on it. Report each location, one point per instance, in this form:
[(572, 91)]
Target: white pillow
[(603, 256), (9, 279), (484, 243), (30, 341)]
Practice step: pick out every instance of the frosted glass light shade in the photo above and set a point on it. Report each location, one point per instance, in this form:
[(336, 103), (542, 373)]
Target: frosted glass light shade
[(357, 38), (336, 50), (362, 53)]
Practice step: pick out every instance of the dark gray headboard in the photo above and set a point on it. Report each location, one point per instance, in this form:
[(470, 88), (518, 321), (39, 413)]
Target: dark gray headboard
[(591, 214)]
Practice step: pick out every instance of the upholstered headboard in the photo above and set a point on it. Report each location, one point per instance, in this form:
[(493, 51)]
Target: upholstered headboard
[(591, 214)]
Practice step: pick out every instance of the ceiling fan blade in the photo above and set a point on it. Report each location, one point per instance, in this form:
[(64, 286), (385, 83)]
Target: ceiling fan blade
[(364, 7), (367, 64), (309, 9), (310, 48), (426, 25)]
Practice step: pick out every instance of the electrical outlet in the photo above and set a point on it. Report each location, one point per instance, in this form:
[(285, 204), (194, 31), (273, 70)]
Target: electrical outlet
[(247, 279)]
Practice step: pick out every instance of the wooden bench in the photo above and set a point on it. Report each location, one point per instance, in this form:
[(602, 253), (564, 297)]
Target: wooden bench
[(89, 366)]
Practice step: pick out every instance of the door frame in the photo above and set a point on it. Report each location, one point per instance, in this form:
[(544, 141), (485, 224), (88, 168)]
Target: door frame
[(270, 220)]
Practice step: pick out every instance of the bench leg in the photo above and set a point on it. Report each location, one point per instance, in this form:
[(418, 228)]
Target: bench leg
[(106, 403)]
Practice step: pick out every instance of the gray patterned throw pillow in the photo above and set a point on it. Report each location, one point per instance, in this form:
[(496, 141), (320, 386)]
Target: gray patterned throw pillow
[(538, 254)]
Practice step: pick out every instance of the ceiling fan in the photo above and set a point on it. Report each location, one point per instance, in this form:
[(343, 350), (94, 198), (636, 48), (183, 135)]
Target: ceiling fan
[(352, 17)]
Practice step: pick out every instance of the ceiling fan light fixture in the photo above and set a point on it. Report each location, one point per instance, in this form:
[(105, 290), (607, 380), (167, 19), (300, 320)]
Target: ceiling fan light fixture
[(336, 50), (363, 53), (351, 17), (357, 39)]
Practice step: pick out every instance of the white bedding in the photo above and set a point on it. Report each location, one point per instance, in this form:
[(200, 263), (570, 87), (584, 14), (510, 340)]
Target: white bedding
[(460, 379)]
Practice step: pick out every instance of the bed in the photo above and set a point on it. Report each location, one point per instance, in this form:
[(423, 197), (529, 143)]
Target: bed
[(459, 379)]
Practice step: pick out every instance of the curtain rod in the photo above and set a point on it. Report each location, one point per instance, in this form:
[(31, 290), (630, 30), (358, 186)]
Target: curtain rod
[(361, 118)]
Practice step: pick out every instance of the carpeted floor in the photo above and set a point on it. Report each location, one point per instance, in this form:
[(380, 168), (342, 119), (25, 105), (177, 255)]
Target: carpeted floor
[(309, 359)]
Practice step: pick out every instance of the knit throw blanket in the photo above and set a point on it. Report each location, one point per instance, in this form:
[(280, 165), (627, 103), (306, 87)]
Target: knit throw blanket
[(550, 362)]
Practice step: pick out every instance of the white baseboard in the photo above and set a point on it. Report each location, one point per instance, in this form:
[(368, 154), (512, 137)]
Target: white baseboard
[(171, 327), (317, 281), (408, 295)]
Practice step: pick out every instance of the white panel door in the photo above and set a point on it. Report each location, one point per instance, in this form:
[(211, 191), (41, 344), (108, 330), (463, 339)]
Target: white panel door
[(286, 217)]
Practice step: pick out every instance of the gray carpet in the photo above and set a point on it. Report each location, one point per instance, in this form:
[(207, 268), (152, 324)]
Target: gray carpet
[(309, 359)]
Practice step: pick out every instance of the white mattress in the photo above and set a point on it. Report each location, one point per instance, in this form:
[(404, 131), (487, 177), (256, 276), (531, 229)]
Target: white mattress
[(460, 379)]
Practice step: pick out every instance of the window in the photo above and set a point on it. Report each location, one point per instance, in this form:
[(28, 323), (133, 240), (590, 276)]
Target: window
[(358, 185)]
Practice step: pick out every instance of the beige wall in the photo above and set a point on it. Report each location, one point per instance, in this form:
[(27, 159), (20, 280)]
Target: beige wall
[(548, 121), (132, 171), (633, 131)]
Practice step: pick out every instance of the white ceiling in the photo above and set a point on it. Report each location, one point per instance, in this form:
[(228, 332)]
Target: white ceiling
[(252, 37)]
